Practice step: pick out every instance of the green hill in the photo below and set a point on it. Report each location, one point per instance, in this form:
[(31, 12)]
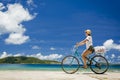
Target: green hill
[(26, 60)]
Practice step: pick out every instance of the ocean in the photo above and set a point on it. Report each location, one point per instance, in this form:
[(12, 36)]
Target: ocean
[(47, 67)]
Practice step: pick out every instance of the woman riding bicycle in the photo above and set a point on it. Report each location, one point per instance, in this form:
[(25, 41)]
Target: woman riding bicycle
[(98, 63), (89, 46)]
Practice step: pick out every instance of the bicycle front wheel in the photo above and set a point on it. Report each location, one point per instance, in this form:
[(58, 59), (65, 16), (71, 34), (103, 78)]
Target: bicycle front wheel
[(99, 64), (70, 64)]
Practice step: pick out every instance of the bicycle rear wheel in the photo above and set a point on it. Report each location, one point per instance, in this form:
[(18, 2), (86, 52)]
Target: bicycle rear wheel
[(70, 64), (99, 64)]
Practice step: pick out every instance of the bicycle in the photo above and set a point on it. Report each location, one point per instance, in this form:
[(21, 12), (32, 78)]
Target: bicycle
[(71, 63)]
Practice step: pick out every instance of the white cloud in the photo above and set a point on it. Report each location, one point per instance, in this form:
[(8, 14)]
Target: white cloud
[(109, 44), (36, 47), (52, 48), (46, 57), (5, 54), (10, 23), (17, 55), (16, 38), (38, 55), (112, 56), (118, 57), (29, 2), (2, 6), (119, 41), (107, 56)]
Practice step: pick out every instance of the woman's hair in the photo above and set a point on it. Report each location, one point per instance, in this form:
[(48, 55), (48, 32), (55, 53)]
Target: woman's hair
[(89, 34)]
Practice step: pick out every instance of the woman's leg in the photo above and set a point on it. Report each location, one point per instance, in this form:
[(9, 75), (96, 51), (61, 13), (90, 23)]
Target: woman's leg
[(84, 55)]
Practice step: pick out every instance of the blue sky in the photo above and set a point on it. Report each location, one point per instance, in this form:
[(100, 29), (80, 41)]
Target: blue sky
[(55, 26)]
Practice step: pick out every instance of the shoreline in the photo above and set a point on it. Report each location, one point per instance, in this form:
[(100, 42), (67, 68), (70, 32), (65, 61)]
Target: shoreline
[(55, 75)]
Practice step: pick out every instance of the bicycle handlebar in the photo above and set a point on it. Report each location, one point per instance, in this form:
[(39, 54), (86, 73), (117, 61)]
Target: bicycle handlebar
[(75, 48)]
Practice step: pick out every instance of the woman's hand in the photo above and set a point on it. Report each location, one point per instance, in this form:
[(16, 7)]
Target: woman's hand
[(77, 44), (80, 43)]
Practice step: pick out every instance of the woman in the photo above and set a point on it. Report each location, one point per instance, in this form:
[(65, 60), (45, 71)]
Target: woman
[(89, 46)]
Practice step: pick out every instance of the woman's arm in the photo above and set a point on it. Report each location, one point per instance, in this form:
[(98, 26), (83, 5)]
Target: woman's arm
[(81, 43)]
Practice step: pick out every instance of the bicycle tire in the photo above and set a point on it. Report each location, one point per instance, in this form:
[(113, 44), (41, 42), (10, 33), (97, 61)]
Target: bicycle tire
[(95, 65), (70, 67)]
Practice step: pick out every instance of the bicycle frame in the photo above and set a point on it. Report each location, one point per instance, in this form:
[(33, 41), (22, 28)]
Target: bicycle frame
[(79, 57)]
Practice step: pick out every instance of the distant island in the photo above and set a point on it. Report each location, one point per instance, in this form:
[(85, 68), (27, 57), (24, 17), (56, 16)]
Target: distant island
[(26, 60)]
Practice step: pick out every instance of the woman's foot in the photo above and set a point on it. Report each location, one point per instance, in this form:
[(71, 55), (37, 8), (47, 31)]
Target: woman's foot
[(85, 67)]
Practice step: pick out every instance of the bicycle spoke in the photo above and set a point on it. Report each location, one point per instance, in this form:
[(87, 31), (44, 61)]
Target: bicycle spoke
[(99, 64), (70, 64)]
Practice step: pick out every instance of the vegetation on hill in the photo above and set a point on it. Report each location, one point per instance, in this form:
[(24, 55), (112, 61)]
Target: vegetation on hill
[(26, 60)]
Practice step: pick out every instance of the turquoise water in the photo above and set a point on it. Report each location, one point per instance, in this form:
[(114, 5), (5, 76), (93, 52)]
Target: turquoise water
[(51, 67), (46, 67)]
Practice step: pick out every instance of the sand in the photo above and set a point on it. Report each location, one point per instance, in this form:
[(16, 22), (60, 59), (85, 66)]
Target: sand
[(55, 75), (106, 76)]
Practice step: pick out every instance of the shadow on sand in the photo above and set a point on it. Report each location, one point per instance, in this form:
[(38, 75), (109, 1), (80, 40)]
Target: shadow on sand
[(89, 73)]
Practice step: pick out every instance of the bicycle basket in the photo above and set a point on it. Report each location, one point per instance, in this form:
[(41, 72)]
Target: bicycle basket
[(100, 49)]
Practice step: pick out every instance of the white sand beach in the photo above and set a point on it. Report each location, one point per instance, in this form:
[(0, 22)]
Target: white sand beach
[(55, 75), (106, 76)]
